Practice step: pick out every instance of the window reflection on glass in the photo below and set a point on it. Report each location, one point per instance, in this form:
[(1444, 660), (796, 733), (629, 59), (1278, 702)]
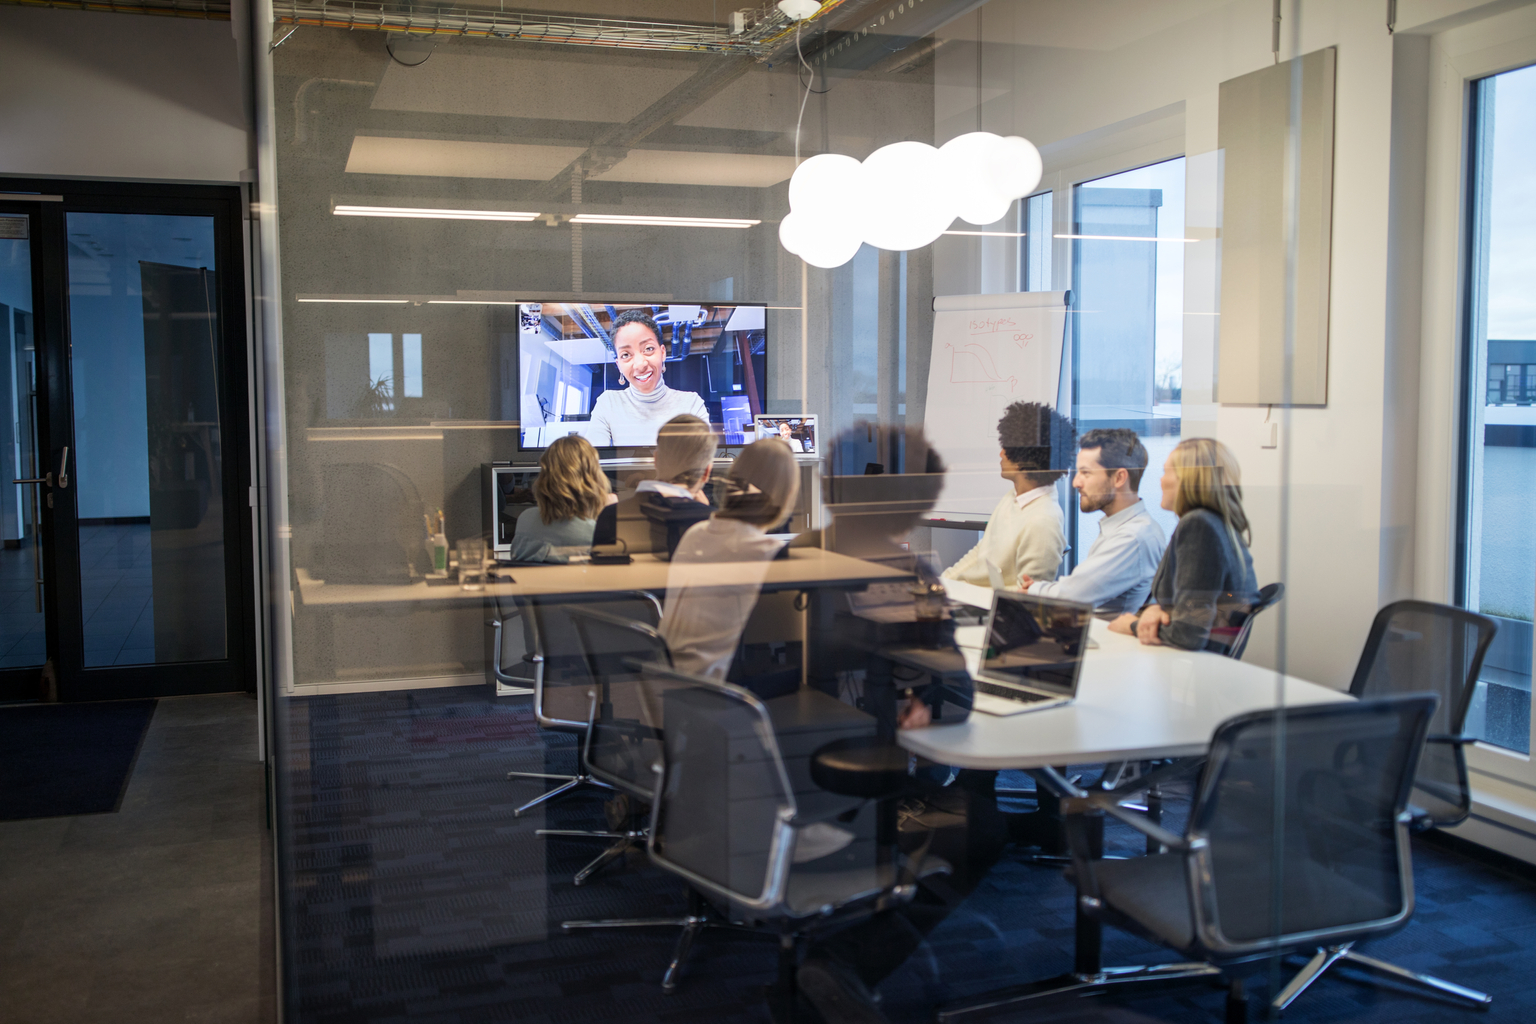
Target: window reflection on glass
[(1129, 330), (1037, 243), (410, 368), (1500, 552), (148, 478)]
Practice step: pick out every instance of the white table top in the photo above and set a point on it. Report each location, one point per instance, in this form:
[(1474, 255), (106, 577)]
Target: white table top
[(805, 567), (1133, 703)]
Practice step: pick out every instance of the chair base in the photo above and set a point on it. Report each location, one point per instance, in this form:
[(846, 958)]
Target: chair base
[(1326, 958), (1105, 980), (622, 843), (700, 916), (569, 783)]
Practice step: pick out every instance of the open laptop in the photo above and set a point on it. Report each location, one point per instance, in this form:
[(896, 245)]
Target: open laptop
[(1033, 654)]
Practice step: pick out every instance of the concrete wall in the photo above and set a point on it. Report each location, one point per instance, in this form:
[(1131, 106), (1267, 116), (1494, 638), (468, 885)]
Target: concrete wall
[(122, 96)]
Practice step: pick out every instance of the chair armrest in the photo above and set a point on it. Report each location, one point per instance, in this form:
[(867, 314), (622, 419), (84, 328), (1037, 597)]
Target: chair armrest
[(1447, 738), (1106, 803)]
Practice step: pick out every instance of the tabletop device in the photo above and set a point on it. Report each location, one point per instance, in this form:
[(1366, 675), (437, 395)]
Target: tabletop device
[(798, 431), (1033, 655), (565, 361)]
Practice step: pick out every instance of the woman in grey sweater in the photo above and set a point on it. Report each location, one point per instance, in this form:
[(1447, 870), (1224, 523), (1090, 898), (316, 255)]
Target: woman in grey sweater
[(1204, 588)]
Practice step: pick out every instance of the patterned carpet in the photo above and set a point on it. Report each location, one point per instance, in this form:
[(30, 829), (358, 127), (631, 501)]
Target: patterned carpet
[(414, 895)]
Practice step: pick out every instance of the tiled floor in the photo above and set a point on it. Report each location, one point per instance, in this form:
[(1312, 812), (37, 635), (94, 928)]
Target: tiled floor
[(158, 912), (116, 596), (417, 896), (22, 640)]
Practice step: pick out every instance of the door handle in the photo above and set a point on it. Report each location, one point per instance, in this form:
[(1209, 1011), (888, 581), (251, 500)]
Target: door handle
[(40, 480), (64, 468)]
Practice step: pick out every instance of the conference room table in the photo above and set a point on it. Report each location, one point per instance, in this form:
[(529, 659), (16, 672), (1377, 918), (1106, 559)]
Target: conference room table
[(1134, 703)]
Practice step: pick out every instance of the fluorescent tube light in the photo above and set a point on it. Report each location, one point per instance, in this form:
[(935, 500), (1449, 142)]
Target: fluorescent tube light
[(1129, 238), (990, 234), (382, 302), (470, 302), (665, 222), (423, 213)]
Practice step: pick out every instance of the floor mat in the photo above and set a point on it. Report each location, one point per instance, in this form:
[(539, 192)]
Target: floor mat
[(64, 759)]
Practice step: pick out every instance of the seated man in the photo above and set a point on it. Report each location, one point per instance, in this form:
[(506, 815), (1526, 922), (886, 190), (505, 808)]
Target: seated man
[(1116, 575), (1024, 536), (655, 517)]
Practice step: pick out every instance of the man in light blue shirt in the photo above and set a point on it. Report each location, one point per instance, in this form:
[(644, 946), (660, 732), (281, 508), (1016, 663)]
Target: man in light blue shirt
[(1116, 575)]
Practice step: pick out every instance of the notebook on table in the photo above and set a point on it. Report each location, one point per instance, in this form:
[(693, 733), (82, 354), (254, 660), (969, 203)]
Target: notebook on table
[(1033, 653)]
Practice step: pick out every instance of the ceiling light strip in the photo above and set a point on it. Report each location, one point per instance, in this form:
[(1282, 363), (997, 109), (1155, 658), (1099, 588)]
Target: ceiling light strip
[(676, 222), (989, 234), (376, 302), (424, 213), (1128, 238)]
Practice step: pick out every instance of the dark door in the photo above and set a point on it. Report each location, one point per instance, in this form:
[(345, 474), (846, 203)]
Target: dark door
[(126, 568)]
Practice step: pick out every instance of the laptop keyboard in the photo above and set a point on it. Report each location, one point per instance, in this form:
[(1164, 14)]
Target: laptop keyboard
[(1022, 696)]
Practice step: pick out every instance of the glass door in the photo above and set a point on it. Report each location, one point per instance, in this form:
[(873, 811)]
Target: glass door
[(136, 469), (23, 625)]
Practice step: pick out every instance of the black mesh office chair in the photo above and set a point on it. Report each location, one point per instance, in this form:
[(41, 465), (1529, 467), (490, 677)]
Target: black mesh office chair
[(1420, 647), (1269, 596), (619, 747), (1343, 772), (561, 678), (726, 820)]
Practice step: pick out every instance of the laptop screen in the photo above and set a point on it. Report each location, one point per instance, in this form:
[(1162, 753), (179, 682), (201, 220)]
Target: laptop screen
[(1036, 642)]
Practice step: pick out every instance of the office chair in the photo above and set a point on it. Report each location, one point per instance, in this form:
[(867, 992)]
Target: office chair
[(1269, 596), (561, 680), (1420, 647), (726, 819), (619, 747), (1341, 772)]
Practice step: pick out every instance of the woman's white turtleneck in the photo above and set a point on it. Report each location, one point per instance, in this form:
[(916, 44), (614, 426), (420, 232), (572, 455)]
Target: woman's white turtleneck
[(626, 418)]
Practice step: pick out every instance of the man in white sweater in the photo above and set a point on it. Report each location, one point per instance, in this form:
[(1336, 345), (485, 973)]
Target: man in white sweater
[(1024, 536)]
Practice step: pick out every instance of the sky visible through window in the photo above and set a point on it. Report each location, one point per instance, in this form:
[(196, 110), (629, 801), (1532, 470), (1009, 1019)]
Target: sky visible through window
[(1512, 228)]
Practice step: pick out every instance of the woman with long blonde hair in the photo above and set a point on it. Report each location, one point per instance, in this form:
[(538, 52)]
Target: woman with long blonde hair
[(1204, 585), (571, 489)]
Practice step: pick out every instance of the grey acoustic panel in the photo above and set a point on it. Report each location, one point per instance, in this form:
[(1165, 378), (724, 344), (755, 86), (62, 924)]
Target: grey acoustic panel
[(1253, 132)]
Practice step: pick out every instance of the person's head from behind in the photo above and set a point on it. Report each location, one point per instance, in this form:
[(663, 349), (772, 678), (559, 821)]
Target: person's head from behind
[(763, 484), (637, 350), (570, 484), (888, 504), (1038, 444), (1202, 473), (685, 449), (1110, 463)]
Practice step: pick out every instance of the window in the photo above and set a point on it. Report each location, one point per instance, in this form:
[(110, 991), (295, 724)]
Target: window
[(1037, 243), (1128, 332), (410, 371), (1498, 552)]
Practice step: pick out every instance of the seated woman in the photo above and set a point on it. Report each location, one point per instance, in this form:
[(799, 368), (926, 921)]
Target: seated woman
[(720, 564), (1204, 585), (570, 490), (661, 510)]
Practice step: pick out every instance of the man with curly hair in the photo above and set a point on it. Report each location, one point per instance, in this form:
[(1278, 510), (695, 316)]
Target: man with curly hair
[(1024, 536)]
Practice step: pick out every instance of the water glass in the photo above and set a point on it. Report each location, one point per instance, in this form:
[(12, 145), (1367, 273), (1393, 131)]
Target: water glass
[(472, 564)]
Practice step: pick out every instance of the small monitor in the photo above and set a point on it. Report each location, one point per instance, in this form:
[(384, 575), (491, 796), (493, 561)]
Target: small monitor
[(1036, 642), (799, 432)]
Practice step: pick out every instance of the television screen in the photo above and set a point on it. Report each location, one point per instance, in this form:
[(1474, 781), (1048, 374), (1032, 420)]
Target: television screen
[(799, 432), (615, 372)]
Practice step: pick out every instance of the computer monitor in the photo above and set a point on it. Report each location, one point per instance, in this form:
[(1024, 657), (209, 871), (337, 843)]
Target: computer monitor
[(569, 359), (1036, 642), (799, 432)]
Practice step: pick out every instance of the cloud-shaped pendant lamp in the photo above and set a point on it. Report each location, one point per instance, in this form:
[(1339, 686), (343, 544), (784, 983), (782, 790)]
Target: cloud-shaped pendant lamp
[(903, 196)]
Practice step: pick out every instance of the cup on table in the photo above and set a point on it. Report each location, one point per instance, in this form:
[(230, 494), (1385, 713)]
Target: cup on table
[(472, 564)]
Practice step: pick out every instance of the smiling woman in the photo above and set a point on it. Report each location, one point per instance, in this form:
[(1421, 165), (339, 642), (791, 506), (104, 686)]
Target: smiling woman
[(634, 415)]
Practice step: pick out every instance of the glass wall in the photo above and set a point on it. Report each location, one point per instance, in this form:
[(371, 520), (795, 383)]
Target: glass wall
[(495, 797)]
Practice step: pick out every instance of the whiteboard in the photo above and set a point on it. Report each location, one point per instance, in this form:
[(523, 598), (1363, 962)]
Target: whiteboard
[(989, 351)]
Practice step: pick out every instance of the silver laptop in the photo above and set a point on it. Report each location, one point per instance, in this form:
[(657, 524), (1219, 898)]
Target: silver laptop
[(1033, 656)]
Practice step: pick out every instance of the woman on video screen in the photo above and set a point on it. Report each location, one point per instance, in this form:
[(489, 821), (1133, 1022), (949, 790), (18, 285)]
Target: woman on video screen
[(632, 416)]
